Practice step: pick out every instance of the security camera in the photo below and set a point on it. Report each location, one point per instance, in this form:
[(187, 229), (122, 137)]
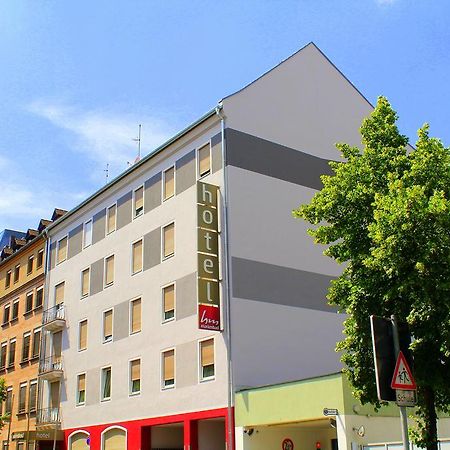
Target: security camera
[(249, 431)]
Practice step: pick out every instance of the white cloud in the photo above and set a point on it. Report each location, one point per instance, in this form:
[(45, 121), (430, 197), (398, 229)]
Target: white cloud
[(386, 2), (103, 136)]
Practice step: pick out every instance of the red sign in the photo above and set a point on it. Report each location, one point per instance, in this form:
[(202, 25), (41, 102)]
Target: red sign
[(287, 444), (402, 378), (208, 317)]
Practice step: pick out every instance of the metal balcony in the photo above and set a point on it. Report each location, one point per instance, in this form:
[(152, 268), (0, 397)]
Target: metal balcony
[(54, 319), (51, 368), (47, 418)]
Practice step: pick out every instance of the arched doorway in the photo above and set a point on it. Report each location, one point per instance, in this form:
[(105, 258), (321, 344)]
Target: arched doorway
[(78, 441), (114, 439)]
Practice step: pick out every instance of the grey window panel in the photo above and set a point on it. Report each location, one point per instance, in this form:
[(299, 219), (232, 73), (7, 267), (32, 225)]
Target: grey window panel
[(52, 255), (216, 152), (186, 356), (121, 317), (96, 277), (186, 296), (99, 226), (124, 207), (152, 248), (152, 196), (185, 172)]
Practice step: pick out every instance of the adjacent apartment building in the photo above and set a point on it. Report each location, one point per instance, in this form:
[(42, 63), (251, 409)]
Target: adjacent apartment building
[(22, 260), (186, 279)]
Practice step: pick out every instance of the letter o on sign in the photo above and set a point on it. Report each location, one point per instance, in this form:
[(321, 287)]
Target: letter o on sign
[(287, 444)]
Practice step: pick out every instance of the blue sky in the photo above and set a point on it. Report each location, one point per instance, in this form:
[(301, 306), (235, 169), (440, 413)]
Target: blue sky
[(78, 77)]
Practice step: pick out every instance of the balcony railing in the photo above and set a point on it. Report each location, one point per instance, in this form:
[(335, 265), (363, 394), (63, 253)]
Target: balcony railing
[(51, 368), (48, 416), (54, 318)]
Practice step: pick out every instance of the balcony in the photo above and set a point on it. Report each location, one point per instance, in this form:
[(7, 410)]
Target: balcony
[(47, 418), (54, 319), (51, 368)]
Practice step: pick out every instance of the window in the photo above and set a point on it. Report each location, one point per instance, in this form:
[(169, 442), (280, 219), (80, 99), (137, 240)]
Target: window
[(8, 279), (15, 310), (3, 351), (108, 326), (8, 400), (135, 323), (30, 264), (169, 302), (39, 297), (12, 352), (29, 303), (136, 262), (16, 273), (83, 335), (26, 343), (59, 293), (169, 183), (135, 376), (22, 398), (36, 343), (138, 202), (204, 160), (109, 270), (81, 389), (106, 383), (111, 219), (32, 396), (61, 254), (168, 369), (6, 310), (169, 240), (207, 359), (87, 236), (85, 279), (40, 258)]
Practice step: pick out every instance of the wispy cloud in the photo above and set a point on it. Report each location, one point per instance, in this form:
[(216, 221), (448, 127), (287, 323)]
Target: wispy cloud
[(385, 2), (103, 136)]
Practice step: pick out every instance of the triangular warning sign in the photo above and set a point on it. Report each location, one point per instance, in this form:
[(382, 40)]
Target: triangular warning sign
[(402, 378)]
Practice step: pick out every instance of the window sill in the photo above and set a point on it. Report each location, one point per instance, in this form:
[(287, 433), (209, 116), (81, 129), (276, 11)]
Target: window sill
[(172, 319), (34, 358), (13, 321), (132, 333), (28, 313), (108, 341), (203, 175), (207, 379), (78, 405), (134, 394), (21, 413), (24, 362), (165, 258), (108, 285), (36, 308), (105, 400), (11, 367), (168, 388), (5, 324), (168, 198)]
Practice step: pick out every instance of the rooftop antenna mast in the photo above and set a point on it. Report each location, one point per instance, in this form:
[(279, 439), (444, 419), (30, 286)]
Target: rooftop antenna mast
[(138, 140), (106, 172)]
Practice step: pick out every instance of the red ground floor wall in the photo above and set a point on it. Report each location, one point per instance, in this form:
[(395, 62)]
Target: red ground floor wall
[(139, 431)]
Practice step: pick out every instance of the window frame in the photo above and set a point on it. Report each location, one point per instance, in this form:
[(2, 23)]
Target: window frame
[(13, 363), (33, 382), (108, 208), (39, 289), (4, 345), (36, 331), (130, 381), (23, 387), (8, 278), (58, 244), (201, 378), (141, 239), (27, 295), (25, 335), (107, 341), (170, 386), (77, 391), (163, 241), (105, 259), (102, 384), (30, 259), (171, 319), (163, 187), (54, 292), (197, 151), (15, 318), (83, 296), (7, 306), (131, 332), (79, 335), (133, 203), (40, 258), (16, 271), (85, 243)]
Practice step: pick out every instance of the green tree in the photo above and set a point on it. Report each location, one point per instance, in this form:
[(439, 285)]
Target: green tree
[(385, 213), (2, 399)]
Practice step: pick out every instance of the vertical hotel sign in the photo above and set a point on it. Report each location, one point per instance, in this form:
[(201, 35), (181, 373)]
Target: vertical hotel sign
[(208, 290)]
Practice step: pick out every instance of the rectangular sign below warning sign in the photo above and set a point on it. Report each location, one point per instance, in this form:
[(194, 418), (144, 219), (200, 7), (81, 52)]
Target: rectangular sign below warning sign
[(405, 398)]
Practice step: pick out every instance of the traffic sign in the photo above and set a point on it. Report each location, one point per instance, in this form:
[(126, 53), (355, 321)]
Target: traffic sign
[(403, 378), (405, 398)]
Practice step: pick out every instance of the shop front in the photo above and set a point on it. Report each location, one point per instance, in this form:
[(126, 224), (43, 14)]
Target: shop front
[(37, 440)]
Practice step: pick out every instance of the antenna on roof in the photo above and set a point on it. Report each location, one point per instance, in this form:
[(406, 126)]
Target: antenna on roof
[(138, 140), (106, 172)]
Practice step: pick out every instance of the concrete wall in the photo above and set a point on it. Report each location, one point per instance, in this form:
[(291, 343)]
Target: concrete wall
[(182, 333), (211, 435)]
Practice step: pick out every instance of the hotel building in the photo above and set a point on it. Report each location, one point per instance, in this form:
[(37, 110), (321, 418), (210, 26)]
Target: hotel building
[(186, 279)]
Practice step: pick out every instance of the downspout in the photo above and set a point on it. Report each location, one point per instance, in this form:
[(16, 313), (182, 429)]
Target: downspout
[(227, 284)]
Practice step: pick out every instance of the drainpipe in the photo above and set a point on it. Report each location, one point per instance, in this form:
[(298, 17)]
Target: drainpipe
[(227, 284)]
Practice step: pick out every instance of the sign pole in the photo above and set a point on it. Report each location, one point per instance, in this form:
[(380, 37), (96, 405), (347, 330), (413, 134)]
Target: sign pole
[(403, 415)]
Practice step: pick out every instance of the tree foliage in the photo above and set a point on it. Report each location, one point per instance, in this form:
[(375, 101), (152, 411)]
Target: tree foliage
[(385, 212), (2, 399)]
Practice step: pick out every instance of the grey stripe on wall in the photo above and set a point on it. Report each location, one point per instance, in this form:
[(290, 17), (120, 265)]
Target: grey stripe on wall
[(124, 210), (185, 172), (152, 248), (75, 241), (96, 282), (152, 195), (268, 283), (121, 321), (186, 355), (186, 296), (274, 160), (216, 152), (52, 255), (92, 386), (99, 226)]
